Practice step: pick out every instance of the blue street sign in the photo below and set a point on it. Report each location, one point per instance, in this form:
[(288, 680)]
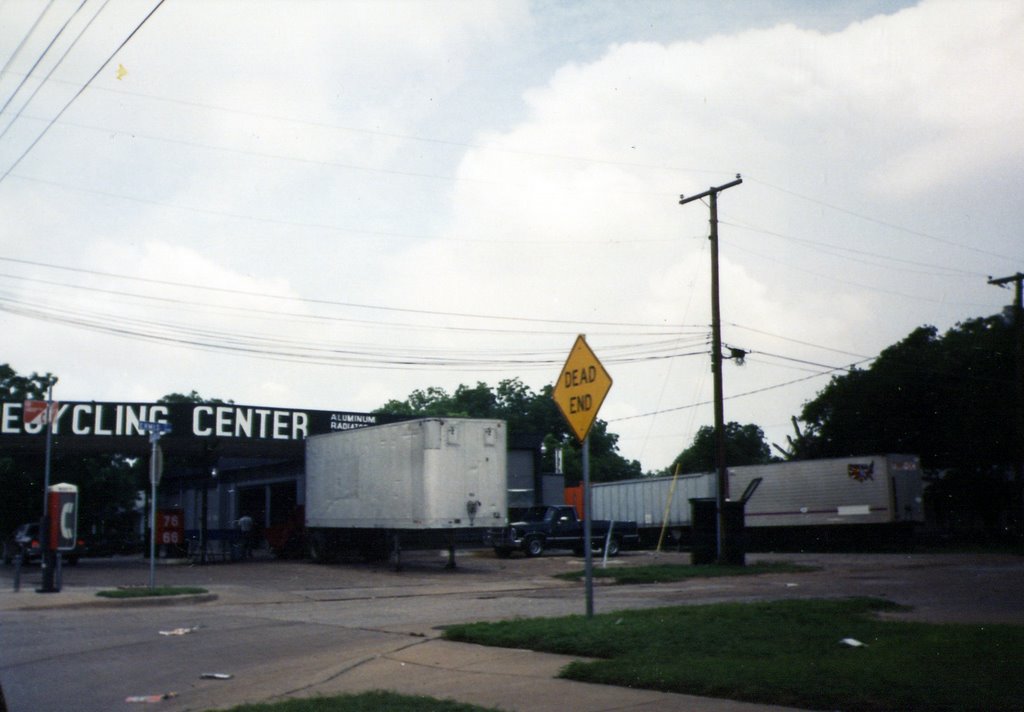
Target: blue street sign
[(151, 426)]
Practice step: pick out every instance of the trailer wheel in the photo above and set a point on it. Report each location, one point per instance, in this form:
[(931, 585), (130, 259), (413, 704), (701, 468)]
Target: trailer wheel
[(319, 552), (534, 546), (316, 553)]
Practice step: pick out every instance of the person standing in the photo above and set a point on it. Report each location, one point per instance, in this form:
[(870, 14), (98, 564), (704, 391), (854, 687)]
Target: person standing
[(245, 527)]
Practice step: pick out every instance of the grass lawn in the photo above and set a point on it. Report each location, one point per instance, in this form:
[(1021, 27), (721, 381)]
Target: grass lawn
[(365, 702), (666, 573), (785, 653), (145, 591)]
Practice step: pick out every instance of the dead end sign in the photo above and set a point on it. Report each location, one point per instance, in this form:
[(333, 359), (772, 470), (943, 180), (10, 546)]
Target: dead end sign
[(581, 388)]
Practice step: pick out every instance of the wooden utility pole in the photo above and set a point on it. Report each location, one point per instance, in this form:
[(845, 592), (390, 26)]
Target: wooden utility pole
[(1018, 418), (722, 474)]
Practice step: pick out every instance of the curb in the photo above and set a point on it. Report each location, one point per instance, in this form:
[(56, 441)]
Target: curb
[(100, 602)]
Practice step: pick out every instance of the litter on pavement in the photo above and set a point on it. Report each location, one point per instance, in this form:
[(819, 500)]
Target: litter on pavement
[(150, 698), (179, 631)]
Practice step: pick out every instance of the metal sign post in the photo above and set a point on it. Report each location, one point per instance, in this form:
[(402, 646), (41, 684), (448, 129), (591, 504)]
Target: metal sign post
[(155, 430), (44, 412), (580, 391)]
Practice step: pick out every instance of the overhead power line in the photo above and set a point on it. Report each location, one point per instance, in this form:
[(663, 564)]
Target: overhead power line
[(884, 260), (49, 74), (626, 242), (461, 144), (408, 137), (77, 94), (293, 316), (734, 396), (794, 341), (860, 285), (39, 59), (299, 348), (355, 305), (882, 223)]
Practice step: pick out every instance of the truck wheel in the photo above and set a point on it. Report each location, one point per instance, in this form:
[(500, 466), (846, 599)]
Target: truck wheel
[(534, 546), (614, 546)]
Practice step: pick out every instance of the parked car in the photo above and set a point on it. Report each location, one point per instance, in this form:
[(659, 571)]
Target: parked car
[(25, 539)]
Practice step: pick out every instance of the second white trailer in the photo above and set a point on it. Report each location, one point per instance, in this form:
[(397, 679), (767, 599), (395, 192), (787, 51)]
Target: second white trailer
[(880, 492)]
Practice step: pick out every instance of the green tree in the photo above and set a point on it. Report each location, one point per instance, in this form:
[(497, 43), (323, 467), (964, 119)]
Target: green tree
[(107, 483), (21, 473), (526, 412), (107, 488), (744, 445), (191, 397), (946, 397), (198, 462), (22, 479), (19, 388)]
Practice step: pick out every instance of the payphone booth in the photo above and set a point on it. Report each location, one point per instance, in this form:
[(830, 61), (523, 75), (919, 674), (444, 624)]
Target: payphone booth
[(62, 522), (63, 511)]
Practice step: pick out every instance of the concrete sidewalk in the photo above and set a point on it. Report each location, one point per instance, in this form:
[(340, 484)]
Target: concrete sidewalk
[(507, 679)]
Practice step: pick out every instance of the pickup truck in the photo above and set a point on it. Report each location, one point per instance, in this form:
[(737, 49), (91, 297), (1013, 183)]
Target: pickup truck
[(558, 527)]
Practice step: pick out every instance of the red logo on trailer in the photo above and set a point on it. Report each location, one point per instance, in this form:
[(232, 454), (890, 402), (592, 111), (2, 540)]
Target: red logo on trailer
[(861, 473)]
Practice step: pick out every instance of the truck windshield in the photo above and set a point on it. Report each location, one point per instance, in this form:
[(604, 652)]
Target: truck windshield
[(535, 514)]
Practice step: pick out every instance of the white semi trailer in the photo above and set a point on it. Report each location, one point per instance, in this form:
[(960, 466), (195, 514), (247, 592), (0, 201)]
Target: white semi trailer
[(797, 501), (427, 483)]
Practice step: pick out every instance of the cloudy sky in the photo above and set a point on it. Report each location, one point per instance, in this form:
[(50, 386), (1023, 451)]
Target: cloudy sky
[(329, 204)]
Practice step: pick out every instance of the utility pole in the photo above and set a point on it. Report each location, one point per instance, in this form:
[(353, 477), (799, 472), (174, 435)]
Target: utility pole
[(722, 476), (1018, 434)]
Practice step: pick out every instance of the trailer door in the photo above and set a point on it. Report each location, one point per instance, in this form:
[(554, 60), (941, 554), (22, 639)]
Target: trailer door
[(907, 488)]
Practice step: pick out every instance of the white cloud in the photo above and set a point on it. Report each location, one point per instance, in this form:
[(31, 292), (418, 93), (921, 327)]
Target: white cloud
[(388, 154), (861, 106)]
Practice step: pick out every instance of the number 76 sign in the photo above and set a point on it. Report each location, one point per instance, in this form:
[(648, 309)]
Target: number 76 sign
[(170, 526)]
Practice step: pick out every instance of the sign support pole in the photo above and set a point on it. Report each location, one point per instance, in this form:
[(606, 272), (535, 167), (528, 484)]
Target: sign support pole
[(48, 559), (578, 393), (155, 430), (154, 437), (588, 550)]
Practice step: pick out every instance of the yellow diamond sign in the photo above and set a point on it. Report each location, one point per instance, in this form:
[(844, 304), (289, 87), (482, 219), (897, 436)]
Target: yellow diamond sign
[(581, 388)]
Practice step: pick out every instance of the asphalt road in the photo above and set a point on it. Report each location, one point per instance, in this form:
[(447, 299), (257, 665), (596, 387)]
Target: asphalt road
[(284, 628)]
